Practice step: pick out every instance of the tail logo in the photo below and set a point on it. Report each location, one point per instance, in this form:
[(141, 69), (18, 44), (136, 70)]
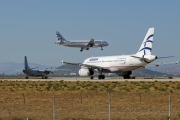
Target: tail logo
[(145, 43), (60, 37)]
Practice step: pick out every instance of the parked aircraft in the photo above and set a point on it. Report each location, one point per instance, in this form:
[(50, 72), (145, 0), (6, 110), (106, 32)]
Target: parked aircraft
[(83, 44), (35, 73), (122, 65)]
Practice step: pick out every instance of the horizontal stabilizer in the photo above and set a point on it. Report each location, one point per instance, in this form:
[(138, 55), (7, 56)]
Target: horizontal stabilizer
[(159, 64), (165, 57)]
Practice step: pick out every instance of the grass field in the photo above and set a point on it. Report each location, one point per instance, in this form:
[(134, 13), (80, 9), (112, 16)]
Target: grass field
[(87, 100)]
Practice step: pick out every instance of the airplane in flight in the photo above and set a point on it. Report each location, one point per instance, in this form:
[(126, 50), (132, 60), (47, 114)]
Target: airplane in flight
[(83, 44), (35, 73), (122, 65)]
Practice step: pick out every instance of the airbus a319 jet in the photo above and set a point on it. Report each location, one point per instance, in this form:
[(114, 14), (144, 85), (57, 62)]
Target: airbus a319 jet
[(83, 44), (122, 65), (35, 73)]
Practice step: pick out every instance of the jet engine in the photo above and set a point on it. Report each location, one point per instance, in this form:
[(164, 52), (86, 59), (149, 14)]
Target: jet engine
[(85, 72), (124, 73)]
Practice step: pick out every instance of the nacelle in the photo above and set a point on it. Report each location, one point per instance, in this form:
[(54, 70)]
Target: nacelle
[(85, 72)]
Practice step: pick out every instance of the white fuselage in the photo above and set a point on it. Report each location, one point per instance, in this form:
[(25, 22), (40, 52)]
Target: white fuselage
[(83, 43), (118, 63)]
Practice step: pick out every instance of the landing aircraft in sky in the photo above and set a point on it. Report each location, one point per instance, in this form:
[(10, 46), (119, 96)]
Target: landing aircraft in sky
[(83, 44), (122, 65), (35, 73)]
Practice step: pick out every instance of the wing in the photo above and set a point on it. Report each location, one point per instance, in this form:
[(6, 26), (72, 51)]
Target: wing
[(44, 71), (90, 43), (86, 65), (70, 63), (48, 72)]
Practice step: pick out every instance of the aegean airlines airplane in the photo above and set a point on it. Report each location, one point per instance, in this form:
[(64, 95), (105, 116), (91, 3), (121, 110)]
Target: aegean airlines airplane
[(83, 44), (122, 65)]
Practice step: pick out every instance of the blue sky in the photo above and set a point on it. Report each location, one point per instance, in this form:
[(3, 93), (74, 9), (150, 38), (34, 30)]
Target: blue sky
[(28, 28)]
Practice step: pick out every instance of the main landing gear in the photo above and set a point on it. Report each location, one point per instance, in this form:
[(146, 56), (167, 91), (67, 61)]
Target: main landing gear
[(45, 77), (101, 76), (126, 76), (101, 48), (82, 49)]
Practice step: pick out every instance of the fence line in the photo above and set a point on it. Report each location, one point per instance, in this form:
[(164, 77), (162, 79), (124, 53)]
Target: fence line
[(91, 105)]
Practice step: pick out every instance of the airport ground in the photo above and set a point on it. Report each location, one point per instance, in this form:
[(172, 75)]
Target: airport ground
[(85, 99), (110, 79)]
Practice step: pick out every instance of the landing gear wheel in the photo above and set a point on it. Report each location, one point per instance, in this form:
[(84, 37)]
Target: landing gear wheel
[(126, 76), (46, 77), (26, 77), (101, 76), (101, 48), (92, 77)]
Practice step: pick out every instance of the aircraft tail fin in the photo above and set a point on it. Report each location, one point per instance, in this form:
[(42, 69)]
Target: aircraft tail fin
[(146, 46), (26, 63), (60, 37)]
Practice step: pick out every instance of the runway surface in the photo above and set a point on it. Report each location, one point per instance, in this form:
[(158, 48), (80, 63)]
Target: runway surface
[(108, 79)]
